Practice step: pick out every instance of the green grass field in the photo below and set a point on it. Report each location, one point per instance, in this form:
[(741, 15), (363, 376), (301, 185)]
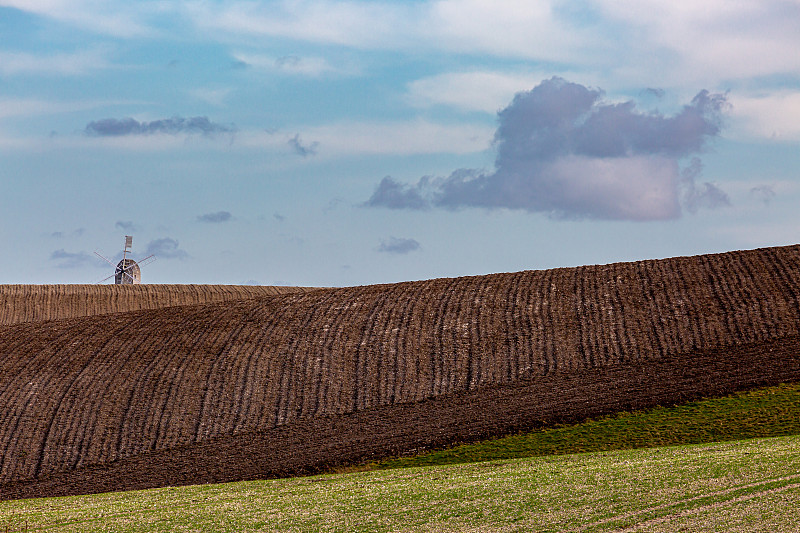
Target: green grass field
[(767, 412), (739, 485), (751, 485)]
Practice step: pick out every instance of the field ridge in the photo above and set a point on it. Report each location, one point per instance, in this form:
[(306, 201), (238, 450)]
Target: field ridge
[(32, 303)]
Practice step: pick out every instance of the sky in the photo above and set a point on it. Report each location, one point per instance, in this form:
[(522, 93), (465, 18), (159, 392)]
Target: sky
[(340, 143)]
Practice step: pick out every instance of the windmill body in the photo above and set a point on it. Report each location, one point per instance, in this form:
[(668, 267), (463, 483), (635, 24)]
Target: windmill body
[(127, 271)]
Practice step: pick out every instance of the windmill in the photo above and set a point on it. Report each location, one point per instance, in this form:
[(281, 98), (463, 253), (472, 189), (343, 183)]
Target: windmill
[(127, 271)]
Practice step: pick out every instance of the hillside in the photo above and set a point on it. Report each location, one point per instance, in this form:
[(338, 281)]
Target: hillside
[(30, 303), (293, 383)]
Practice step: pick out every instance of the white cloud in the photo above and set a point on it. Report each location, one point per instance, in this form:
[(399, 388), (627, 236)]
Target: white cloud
[(214, 97), (410, 137), (344, 23), (25, 107), (511, 28), (75, 63), (264, 140), (296, 65), (629, 43), (370, 138), (707, 41), (121, 19), (514, 28), (627, 188), (156, 142), (517, 28), (330, 140), (471, 91), (643, 42), (29, 107), (773, 115), (14, 143)]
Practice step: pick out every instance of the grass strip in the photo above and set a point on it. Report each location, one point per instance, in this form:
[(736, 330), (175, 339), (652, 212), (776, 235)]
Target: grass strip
[(736, 485), (765, 412)]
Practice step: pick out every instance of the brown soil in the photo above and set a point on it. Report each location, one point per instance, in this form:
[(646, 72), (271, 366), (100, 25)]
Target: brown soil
[(295, 383)]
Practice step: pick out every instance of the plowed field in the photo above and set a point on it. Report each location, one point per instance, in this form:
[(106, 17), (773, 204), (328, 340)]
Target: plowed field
[(292, 383)]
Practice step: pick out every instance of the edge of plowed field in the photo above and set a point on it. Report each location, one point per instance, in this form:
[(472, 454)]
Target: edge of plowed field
[(317, 444)]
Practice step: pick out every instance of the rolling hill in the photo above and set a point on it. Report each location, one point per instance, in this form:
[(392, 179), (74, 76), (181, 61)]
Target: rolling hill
[(284, 384)]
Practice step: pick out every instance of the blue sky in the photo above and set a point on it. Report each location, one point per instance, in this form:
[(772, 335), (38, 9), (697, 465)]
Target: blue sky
[(343, 143)]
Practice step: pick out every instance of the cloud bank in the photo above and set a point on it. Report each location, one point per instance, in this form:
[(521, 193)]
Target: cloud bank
[(395, 195), (396, 245), (125, 225), (301, 149), (215, 218), (763, 193), (165, 248), (112, 127), (67, 259), (563, 151)]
